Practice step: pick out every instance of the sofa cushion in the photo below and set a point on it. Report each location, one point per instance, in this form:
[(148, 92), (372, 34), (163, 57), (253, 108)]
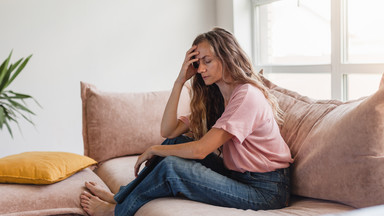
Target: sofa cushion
[(117, 172), (182, 207), (61, 198), (41, 167), (338, 147), (119, 124)]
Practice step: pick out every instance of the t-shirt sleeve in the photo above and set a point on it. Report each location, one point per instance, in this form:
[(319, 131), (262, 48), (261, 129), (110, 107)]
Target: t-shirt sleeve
[(185, 120), (244, 112)]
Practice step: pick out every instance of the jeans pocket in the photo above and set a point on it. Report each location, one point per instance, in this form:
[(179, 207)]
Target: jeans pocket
[(276, 183), (285, 187)]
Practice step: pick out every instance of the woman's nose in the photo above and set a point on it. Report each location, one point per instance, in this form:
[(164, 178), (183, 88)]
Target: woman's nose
[(201, 68)]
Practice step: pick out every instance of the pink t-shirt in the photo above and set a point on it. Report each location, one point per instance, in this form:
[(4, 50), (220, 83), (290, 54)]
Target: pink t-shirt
[(256, 145)]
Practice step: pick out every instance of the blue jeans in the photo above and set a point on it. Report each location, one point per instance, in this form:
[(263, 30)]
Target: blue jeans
[(206, 181)]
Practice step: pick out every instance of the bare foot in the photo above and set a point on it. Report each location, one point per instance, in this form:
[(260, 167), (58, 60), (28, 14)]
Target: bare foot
[(100, 192), (95, 206)]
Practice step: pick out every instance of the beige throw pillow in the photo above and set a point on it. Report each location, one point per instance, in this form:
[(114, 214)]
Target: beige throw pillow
[(338, 147), (119, 124)]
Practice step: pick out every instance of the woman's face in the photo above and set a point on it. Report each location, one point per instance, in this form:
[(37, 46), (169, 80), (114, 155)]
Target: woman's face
[(210, 67)]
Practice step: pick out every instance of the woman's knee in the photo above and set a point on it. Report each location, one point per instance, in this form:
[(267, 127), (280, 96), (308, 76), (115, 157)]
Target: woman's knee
[(172, 160), (174, 165)]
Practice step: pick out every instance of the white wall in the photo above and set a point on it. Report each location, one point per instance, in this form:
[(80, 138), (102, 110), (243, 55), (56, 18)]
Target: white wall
[(236, 16), (119, 45), (224, 14)]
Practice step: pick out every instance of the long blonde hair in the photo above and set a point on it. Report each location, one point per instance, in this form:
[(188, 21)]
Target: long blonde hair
[(207, 103)]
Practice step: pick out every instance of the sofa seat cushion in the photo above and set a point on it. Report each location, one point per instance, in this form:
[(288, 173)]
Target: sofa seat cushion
[(61, 198), (119, 171), (181, 207)]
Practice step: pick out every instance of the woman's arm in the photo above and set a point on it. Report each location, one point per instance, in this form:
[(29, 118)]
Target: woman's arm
[(191, 150), (170, 126)]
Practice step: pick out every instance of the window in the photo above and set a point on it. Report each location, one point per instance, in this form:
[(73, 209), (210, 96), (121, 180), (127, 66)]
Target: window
[(365, 36), (323, 49), (299, 82), (295, 34)]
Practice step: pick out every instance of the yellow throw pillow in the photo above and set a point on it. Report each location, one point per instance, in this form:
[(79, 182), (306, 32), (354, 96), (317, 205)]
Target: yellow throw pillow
[(41, 167)]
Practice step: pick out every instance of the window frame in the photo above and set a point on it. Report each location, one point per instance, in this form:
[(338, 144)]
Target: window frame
[(339, 68)]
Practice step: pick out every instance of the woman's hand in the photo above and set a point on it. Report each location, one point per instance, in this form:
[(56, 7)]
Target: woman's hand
[(187, 70), (146, 156)]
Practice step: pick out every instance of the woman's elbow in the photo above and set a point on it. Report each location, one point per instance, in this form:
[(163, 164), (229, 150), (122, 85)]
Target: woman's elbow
[(201, 156), (167, 135), (200, 153), (164, 134)]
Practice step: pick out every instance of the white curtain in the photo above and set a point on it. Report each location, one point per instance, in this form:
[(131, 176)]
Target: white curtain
[(263, 2)]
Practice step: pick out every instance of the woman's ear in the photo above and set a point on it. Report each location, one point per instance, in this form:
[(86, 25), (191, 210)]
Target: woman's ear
[(261, 72)]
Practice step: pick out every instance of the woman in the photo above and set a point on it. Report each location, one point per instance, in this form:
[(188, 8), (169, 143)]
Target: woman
[(231, 110)]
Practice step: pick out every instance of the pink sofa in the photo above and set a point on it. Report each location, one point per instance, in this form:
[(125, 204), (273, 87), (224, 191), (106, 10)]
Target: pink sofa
[(338, 150)]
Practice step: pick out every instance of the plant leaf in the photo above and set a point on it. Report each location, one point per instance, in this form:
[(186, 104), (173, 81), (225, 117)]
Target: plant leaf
[(3, 71), (4, 95), (5, 80), (19, 69), (28, 119), (9, 129), (11, 111), (2, 67), (10, 106), (13, 66), (20, 95), (20, 106), (2, 116), (6, 77), (25, 96), (8, 114)]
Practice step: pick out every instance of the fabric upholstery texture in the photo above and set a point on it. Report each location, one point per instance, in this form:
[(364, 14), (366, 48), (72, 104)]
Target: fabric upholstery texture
[(119, 124), (61, 198), (338, 147), (117, 172), (41, 167), (182, 207)]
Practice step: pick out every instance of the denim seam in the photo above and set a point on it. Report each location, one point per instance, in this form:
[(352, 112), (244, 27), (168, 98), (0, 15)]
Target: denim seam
[(213, 189), (144, 193)]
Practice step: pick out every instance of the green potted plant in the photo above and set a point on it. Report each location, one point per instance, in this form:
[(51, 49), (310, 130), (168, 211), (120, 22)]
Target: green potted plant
[(12, 104)]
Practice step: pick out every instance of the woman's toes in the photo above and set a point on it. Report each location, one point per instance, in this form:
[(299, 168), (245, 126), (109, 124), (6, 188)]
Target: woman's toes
[(86, 194)]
